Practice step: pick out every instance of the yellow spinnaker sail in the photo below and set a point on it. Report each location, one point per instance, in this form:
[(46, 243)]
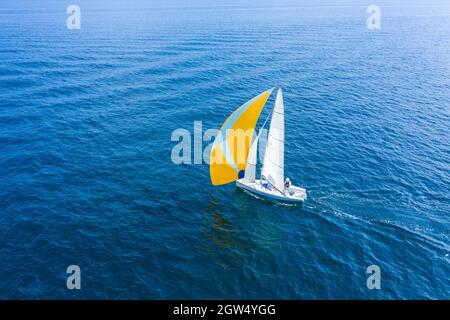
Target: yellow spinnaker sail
[(230, 148)]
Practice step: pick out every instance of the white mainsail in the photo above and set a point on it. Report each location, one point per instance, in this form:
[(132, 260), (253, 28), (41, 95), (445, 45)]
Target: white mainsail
[(273, 165), (250, 168)]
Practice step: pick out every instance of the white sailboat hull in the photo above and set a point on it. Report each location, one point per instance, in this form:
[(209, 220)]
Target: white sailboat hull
[(295, 194)]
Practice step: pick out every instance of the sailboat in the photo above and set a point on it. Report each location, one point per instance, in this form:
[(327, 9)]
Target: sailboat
[(225, 166)]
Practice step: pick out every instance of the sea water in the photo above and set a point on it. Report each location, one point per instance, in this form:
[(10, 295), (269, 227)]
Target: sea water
[(87, 177)]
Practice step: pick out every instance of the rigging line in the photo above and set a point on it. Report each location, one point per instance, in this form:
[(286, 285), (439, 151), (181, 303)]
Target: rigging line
[(259, 133), (257, 137), (264, 124), (265, 148)]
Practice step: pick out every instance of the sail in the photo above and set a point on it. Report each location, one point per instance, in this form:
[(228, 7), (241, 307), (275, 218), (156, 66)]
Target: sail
[(250, 168), (273, 164), (230, 148)]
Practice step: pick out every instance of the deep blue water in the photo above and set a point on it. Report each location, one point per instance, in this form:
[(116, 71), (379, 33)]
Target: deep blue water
[(86, 175)]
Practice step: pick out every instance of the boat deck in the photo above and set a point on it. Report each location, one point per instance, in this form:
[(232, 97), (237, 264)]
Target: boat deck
[(295, 194)]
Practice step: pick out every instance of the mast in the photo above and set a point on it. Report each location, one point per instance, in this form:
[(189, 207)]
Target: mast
[(250, 168)]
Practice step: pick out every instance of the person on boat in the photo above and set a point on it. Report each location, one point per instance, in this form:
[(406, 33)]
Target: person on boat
[(287, 184), (267, 185)]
